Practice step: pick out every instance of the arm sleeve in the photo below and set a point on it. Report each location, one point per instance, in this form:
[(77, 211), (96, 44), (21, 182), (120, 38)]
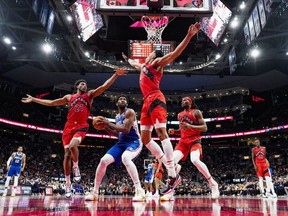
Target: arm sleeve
[(9, 161)]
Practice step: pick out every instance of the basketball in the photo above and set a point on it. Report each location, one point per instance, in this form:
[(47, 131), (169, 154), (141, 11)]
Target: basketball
[(96, 124)]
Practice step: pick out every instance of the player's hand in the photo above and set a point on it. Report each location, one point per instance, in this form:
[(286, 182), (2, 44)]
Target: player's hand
[(193, 29), (185, 125), (103, 121), (125, 57), (171, 131), (28, 99), (121, 71)]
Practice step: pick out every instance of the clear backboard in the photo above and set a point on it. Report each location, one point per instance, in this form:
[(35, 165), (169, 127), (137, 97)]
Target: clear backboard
[(171, 8)]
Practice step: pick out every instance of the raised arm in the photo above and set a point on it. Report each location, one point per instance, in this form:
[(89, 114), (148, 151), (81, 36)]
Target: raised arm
[(132, 62), (57, 102), (163, 61), (96, 92)]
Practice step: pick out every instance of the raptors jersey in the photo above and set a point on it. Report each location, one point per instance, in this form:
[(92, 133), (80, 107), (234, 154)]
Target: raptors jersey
[(190, 119), (259, 154), (79, 108), (149, 80), (133, 133), (17, 160)]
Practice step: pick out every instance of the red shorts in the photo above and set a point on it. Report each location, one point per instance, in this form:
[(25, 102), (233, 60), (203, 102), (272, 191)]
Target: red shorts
[(74, 131), (188, 145), (263, 169), (154, 109), (159, 175)]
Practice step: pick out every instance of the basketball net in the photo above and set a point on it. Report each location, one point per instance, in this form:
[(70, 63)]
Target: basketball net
[(154, 26)]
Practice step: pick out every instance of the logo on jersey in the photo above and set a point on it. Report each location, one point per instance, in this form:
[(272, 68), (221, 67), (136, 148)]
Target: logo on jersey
[(147, 73)]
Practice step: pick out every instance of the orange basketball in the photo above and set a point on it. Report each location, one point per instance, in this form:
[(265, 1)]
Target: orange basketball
[(96, 124)]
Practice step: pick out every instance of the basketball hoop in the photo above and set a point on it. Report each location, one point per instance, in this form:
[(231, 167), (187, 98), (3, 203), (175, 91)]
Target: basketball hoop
[(154, 26)]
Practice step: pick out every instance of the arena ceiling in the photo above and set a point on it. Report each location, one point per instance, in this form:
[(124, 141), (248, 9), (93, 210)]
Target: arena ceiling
[(28, 65)]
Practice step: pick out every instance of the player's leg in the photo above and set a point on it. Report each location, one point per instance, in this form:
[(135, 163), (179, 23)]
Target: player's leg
[(195, 155), (269, 183), (260, 182), (16, 179), (6, 185), (67, 171)]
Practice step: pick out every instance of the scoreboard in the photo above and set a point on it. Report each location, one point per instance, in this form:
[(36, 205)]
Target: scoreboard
[(139, 50)]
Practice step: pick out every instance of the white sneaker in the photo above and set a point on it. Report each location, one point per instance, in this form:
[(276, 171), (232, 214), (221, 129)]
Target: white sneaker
[(76, 174), (91, 197), (156, 196), (167, 197), (263, 195), (215, 191), (4, 194), (13, 195), (274, 195), (139, 195), (68, 192)]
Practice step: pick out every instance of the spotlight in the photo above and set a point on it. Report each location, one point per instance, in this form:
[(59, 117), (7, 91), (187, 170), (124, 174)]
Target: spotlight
[(242, 5), (69, 18), (225, 40), (218, 56), (287, 53), (255, 53), (7, 40), (234, 23), (47, 48), (13, 48), (87, 54)]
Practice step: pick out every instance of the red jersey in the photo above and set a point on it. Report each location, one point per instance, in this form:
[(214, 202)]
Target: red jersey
[(79, 108), (160, 169), (190, 119), (259, 154), (149, 80)]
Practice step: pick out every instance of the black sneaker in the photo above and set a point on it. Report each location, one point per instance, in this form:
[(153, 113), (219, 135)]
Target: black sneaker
[(171, 184)]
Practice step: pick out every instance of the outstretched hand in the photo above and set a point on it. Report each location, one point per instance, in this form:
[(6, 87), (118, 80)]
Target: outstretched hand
[(194, 28), (121, 71), (28, 99)]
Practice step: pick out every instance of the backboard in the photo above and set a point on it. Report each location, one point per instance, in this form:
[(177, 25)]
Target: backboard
[(171, 8)]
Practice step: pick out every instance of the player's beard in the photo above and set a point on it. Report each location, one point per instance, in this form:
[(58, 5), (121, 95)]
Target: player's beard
[(82, 91), (122, 106), (186, 106)]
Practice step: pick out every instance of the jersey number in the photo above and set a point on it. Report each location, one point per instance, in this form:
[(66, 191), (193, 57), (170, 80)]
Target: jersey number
[(78, 107)]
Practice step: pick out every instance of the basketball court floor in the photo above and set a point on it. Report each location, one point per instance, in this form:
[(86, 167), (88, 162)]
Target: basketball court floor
[(120, 205)]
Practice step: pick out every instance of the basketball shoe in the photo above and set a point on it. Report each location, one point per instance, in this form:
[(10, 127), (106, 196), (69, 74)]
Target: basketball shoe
[(167, 197), (92, 196), (139, 195), (76, 174), (171, 184), (214, 190), (68, 192)]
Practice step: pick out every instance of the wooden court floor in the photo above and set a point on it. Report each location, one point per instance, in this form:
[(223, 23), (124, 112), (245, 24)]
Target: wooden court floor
[(118, 205)]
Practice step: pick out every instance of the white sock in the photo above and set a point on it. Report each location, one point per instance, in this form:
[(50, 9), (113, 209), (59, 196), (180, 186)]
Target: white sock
[(155, 149), (195, 159), (168, 150), (131, 168), (101, 170), (75, 164), (269, 184), (261, 187), (7, 182)]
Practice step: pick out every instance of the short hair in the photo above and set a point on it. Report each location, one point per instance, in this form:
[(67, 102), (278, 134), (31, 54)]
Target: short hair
[(158, 53), (77, 82), (122, 95)]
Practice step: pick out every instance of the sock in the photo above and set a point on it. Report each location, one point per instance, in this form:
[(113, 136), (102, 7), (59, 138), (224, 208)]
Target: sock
[(261, 187), (155, 149), (7, 181), (75, 164), (168, 150), (270, 185)]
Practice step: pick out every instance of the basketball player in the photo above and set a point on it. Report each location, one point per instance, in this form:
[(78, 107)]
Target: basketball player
[(261, 166), (154, 112), (191, 124), (76, 126), (126, 149), (159, 171), (15, 165), (149, 179)]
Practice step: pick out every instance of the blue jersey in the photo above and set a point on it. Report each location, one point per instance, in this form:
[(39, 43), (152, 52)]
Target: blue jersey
[(17, 160), (133, 133), (150, 170)]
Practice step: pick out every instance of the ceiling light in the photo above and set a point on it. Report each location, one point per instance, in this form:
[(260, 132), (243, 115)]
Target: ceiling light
[(13, 48), (287, 53), (87, 54), (255, 53), (47, 48), (218, 56), (242, 5), (225, 40), (7, 40), (234, 23), (69, 18)]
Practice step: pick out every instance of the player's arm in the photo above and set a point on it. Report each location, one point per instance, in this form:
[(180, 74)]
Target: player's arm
[(253, 159), (96, 92), (127, 124), (23, 163), (9, 160), (57, 102), (163, 61), (201, 126), (132, 62)]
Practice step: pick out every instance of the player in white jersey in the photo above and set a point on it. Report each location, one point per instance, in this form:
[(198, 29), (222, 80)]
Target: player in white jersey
[(126, 149)]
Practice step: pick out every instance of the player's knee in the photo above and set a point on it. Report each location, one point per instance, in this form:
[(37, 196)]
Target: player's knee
[(104, 162), (125, 160), (162, 134), (195, 161)]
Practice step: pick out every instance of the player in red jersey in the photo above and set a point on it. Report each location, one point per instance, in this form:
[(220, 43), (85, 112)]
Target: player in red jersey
[(191, 124), (159, 172), (261, 166), (154, 111), (76, 126)]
